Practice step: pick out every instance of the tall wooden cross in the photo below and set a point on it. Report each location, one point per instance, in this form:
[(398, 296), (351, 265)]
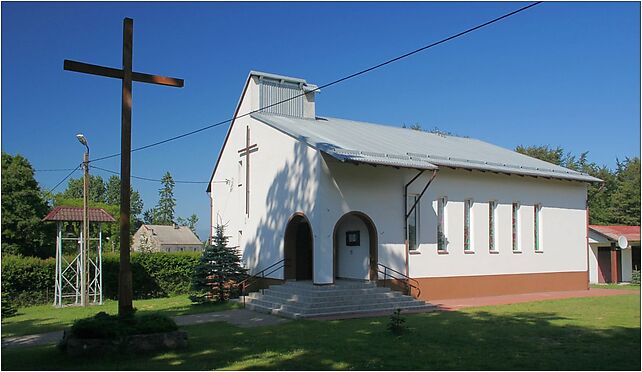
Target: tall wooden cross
[(125, 291), (246, 151)]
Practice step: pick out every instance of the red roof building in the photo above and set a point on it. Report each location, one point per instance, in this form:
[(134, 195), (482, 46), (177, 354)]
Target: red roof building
[(631, 233), (63, 213), (608, 261)]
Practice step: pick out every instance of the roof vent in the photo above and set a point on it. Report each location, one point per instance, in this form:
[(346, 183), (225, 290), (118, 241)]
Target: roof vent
[(286, 96)]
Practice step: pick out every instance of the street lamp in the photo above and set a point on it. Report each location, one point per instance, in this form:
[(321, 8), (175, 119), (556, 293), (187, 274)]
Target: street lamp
[(84, 299)]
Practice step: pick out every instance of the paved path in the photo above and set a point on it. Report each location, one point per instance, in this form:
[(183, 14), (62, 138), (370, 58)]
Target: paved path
[(460, 303), (239, 317)]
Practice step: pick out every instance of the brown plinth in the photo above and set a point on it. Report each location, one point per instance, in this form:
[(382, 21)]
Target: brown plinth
[(497, 285)]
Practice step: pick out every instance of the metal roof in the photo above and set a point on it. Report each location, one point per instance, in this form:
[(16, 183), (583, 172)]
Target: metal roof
[(348, 140), (613, 232), (307, 87), (62, 213)]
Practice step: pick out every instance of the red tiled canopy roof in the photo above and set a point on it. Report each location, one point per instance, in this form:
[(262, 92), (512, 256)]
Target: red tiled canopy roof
[(632, 233), (75, 214)]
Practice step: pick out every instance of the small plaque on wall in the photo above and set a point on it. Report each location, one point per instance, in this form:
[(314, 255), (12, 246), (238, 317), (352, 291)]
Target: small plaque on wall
[(353, 238)]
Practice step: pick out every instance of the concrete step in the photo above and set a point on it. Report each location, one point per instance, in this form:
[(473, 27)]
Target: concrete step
[(340, 284), (306, 310), (332, 301), (328, 292), (287, 296), (299, 315)]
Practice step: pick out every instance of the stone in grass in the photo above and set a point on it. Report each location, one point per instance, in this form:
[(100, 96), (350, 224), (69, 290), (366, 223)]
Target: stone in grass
[(108, 334)]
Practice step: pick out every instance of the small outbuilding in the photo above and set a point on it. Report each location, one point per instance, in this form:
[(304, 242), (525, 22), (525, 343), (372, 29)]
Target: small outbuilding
[(614, 253), (166, 238)]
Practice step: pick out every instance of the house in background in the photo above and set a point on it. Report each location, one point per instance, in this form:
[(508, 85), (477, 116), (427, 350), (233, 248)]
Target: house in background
[(320, 199), (608, 262), (165, 238)]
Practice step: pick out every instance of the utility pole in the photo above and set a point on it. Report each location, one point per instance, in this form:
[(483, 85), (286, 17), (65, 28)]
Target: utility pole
[(84, 277), (125, 290)]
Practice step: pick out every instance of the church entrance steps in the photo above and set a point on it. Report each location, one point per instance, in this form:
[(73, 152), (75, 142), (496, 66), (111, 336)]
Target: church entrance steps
[(305, 300)]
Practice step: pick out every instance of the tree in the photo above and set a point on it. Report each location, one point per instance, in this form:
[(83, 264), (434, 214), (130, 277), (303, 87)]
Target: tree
[(149, 216), (112, 196), (74, 189), (23, 207), (599, 194), (625, 199), (190, 222), (218, 271), (166, 203)]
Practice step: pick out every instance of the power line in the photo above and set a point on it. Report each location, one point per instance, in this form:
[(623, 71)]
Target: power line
[(406, 55), (54, 170), (148, 179), (64, 179)]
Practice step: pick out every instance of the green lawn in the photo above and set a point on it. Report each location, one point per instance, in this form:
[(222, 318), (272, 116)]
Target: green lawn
[(577, 334), (46, 318)]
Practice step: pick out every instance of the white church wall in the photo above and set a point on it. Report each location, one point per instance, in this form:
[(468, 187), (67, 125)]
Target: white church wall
[(563, 219), (282, 182), (378, 192)]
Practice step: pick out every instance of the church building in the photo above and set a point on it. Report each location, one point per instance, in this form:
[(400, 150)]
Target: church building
[(320, 199)]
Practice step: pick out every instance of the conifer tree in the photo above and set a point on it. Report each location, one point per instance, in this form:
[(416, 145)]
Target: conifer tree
[(219, 269)]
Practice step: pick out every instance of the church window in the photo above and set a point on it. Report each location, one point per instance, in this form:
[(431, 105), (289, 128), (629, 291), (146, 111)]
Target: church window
[(537, 227), (468, 206), (516, 226), (442, 242), (492, 230)]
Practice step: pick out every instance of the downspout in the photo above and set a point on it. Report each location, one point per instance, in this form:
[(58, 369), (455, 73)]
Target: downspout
[(407, 212)]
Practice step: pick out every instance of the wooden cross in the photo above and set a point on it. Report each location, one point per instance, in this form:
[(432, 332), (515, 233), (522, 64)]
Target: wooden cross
[(246, 151), (125, 292)]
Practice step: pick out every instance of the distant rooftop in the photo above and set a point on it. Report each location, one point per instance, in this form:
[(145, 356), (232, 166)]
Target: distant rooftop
[(169, 234), (360, 142)]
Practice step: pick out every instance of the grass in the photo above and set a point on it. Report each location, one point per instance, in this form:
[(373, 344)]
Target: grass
[(46, 318), (584, 333)]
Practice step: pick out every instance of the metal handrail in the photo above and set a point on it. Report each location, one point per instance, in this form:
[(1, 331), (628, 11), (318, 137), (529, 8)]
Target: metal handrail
[(404, 278), (245, 283)]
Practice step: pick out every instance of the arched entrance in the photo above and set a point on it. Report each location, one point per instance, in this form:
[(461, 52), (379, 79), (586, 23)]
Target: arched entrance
[(298, 248), (355, 247)]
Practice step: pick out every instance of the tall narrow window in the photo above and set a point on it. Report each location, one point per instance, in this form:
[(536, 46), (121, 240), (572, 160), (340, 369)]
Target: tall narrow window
[(492, 235), (516, 247), (537, 227), (413, 223), (441, 224), (468, 205)]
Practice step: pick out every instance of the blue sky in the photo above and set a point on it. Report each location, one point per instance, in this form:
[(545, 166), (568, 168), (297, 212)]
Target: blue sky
[(564, 74)]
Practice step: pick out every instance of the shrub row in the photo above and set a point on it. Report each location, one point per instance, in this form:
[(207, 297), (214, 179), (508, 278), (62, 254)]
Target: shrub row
[(29, 280)]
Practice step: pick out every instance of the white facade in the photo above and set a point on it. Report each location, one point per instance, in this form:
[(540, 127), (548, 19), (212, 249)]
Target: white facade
[(288, 176)]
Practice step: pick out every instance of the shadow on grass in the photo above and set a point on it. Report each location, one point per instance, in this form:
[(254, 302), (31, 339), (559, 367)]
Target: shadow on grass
[(448, 340)]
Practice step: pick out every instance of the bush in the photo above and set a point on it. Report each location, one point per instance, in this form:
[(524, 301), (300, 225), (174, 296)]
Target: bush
[(635, 277), (31, 280), (8, 308), (396, 323), (103, 325)]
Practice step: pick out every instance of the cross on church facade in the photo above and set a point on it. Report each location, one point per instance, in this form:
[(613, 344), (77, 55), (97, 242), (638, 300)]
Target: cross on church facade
[(246, 151), (125, 291)]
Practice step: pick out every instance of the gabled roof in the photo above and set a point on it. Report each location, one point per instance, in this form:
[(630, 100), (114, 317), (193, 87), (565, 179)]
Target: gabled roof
[(62, 213), (361, 142), (168, 234), (306, 87), (613, 232)]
